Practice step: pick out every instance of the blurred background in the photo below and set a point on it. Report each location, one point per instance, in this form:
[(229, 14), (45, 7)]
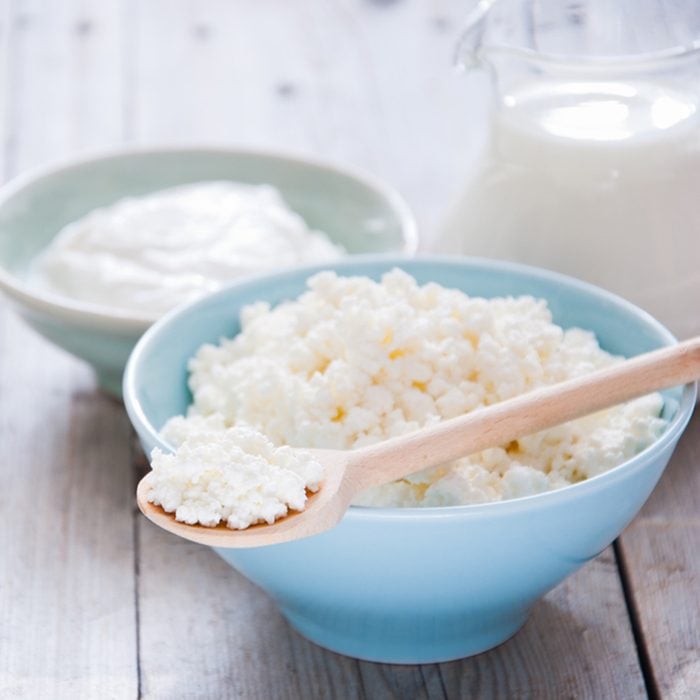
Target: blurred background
[(364, 82)]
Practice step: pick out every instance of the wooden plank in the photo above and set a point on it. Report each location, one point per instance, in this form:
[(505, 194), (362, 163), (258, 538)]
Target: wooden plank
[(67, 618), (67, 625), (416, 682), (66, 79), (4, 69), (577, 644), (206, 632), (659, 553)]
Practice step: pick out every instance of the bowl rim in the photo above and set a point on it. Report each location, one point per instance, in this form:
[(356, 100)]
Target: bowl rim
[(97, 315), (673, 431)]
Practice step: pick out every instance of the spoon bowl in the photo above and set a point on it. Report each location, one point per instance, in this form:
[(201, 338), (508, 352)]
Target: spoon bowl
[(324, 509)]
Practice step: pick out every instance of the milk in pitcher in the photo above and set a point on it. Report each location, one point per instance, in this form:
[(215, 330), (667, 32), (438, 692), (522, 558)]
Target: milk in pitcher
[(592, 168)]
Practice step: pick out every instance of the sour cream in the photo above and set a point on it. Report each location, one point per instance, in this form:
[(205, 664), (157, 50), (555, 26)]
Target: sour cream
[(149, 254)]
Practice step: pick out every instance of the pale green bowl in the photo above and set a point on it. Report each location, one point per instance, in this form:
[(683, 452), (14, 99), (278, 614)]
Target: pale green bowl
[(355, 210)]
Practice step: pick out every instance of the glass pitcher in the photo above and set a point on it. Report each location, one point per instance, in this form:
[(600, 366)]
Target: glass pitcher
[(592, 163)]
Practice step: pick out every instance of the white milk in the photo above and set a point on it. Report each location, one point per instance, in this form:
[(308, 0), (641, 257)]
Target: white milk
[(597, 180)]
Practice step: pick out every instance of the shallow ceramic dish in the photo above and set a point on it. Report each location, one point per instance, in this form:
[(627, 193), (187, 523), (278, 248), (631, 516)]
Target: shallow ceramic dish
[(419, 585), (355, 210)]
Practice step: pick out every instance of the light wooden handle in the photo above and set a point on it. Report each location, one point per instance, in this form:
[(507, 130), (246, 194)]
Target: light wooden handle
[(526, 414)]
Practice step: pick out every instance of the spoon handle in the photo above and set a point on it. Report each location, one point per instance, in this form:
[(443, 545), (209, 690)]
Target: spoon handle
[(526, 414)]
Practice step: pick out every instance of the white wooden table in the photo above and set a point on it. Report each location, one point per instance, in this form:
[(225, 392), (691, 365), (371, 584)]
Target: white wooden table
[(97, 603)]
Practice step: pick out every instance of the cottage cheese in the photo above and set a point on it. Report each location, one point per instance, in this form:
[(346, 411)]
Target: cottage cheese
[(353, 361), (235, 475), (148, 254)]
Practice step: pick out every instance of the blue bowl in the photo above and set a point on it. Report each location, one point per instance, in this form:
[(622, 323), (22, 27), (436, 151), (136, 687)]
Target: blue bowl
[(418, 585)]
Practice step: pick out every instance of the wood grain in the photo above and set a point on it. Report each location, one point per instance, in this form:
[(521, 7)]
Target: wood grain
[(67, 626), (67, 623), (65, 79), (5, 21), (659, 551), (577, 644), (206, 632)]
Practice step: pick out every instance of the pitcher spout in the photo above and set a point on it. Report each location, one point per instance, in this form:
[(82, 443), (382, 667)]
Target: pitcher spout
[(469, 53)]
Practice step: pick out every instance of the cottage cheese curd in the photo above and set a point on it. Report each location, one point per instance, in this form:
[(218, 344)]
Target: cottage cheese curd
[(148, 254), (235, 475), (353, 361)]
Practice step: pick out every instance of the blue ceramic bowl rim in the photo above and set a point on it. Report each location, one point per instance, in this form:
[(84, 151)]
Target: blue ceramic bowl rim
[(95, 315), (599, 482)]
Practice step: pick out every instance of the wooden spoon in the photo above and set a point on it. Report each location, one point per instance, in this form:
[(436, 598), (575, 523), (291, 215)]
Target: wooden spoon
[(347, 473)]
